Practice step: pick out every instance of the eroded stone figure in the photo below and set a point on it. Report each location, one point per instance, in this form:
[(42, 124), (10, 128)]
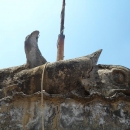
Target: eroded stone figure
[(33, 54), (108, 80), (80, 76), (79, 95), (83, 75)]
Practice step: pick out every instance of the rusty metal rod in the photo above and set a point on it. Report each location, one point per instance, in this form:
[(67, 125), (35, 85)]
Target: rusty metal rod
[(61, 37), (62, 18)]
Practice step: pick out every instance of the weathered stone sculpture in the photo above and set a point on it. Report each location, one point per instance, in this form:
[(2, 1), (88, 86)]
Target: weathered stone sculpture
[(33, 54), (79, 95)]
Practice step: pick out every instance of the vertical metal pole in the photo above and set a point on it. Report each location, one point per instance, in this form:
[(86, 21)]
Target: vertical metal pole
[(62, 17), (61, 37)]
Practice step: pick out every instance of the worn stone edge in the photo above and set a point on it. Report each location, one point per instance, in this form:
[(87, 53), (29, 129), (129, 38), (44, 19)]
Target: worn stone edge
[(60, 98)]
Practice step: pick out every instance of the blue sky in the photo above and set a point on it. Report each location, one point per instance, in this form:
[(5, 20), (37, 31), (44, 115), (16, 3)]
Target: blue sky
[(89, 25)]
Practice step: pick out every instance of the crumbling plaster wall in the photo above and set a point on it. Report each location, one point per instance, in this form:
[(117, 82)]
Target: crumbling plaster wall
[(22, 112), (79, 95)]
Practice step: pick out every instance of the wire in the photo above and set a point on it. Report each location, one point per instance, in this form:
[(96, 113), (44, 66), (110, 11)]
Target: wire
[(42, 95)]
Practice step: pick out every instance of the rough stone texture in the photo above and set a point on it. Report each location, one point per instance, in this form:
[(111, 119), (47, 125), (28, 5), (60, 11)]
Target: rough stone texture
[(80, 95), (97, 113), (60, 77), (33, 54)]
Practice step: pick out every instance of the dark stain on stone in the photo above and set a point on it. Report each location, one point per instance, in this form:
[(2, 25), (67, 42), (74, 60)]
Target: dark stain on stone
[(117, 113)]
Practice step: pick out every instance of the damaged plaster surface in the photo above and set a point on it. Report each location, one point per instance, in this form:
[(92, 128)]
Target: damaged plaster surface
[(79, 95), (64, 113)]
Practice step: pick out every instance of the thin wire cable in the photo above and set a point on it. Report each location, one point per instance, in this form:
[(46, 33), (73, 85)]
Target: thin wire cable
[(42, 95)]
